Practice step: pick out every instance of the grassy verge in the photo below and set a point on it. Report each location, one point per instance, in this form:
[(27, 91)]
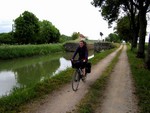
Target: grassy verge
[(19, 97), (142, 81), (92, 99), (15, 51)]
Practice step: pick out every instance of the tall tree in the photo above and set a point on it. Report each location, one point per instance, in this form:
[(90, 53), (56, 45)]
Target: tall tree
[(123, 29), (143, 6), (132, 13), (110, 12), (26, 28), (48, 32), (113, 38)]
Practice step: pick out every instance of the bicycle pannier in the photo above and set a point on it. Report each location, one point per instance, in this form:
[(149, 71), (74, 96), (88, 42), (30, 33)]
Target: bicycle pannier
[(75, 64), (88, 67)]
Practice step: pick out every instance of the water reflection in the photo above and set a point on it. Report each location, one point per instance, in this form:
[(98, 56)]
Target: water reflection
[(64, 64), (7, 82), (25, 72)]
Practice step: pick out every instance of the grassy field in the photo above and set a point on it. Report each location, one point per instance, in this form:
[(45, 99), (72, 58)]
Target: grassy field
[(19, 97)]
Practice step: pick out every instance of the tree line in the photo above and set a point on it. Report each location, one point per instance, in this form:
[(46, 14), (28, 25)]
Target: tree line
[(131, 14), (28, 29)]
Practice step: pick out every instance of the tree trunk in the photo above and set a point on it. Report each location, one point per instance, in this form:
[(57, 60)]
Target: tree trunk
[(142, 33), (147, 63), (134, 26), (135, 37)]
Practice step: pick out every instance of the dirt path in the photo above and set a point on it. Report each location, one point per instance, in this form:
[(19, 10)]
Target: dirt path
[(65, 100), (119, 95)]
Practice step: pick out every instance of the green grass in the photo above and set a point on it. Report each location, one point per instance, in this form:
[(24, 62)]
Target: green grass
[(92, 99), (15, 51), (142, 81), (19, 97)]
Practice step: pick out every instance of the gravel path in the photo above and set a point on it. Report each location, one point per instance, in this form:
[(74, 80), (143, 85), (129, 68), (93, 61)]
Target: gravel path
[(119, 95)]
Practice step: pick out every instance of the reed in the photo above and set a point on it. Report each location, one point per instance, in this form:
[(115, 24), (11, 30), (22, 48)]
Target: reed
[(15, 51)]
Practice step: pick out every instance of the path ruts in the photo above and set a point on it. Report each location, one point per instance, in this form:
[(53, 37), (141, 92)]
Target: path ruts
[(119, 95)]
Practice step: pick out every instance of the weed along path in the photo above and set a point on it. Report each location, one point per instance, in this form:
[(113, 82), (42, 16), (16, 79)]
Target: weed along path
[(65, 100), (119, 95)]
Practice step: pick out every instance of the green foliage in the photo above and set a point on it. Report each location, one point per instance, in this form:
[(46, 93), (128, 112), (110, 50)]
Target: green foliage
[(15, 51), (109, 9), (123, 28), (64, 38), (26, 28), (29, 30), (113, 38), (75, 35), (6, 38), (48, 33)]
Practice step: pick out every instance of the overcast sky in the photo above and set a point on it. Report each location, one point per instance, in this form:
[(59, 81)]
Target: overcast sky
[(67, 15)]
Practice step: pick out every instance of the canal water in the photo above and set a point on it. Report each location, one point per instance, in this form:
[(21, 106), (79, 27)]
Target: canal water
[(25, 72)]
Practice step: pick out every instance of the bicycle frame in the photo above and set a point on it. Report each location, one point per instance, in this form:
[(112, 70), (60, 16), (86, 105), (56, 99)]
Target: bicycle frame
[(77, 76)]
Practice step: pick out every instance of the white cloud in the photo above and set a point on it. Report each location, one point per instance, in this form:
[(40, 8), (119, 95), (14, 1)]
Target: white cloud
[(67, 15), (5, 26)]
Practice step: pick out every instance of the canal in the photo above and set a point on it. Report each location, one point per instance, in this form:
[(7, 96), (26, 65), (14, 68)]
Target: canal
[(24, 72)]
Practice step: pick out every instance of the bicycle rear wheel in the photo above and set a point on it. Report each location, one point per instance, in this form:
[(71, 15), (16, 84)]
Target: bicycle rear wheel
[(75, 81)]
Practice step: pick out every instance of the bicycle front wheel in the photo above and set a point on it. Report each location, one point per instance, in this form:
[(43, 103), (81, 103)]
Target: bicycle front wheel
[(75, 80)]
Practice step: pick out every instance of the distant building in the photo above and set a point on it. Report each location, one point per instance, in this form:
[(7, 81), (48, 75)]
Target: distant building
[(81, 36)]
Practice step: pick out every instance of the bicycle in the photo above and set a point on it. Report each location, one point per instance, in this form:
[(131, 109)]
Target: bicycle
[(77, 76)]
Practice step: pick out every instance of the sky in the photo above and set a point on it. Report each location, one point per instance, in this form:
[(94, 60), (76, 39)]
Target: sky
[(67, 15)]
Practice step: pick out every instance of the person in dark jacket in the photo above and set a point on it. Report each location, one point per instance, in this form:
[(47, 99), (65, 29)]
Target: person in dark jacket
[(83, 55)]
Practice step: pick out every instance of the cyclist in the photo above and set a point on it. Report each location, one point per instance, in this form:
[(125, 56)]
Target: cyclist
[(83, 55)]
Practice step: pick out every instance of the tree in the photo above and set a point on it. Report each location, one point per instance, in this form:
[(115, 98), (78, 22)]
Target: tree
[(123, 29), (113, 38), (48, 33), (112, 8), (132, 13), (26, 28), (143, 6), (75, 35), (64, 38), (6, 38)]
